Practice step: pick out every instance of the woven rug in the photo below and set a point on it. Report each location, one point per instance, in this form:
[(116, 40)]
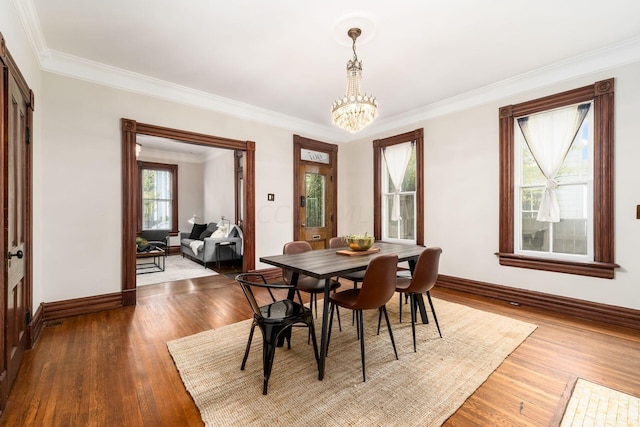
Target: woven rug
[(419, 389), (598, 406), (176, 268)]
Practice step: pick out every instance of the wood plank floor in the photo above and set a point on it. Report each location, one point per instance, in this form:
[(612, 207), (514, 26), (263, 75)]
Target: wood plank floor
[(113, 368)]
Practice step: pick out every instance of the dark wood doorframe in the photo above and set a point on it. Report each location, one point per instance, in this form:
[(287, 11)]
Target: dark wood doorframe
[(299, 143), (9, 70), (131, 128)]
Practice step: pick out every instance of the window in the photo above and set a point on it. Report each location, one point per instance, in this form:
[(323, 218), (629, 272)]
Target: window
[(157, 205), (398, 188), (556, 199)]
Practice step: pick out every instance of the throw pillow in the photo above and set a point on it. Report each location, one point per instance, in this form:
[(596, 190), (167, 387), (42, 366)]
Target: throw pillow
[(209, 231), (197, 230)]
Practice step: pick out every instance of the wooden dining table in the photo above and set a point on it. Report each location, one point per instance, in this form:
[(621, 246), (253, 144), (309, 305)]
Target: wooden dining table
[(324, 264)]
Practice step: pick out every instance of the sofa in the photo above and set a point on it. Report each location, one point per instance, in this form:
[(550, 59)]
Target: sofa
[(210, 243)]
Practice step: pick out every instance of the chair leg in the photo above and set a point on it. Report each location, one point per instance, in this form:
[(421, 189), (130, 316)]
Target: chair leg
[(268, 351), (393, 343), (339, 323), (330, 326), (400, 301), (434, 312), (413, 320), (246, 352), (360, 322)]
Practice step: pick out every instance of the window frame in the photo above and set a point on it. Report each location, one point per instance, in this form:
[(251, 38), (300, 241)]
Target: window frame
[(173, 170), (603, 265), (416, 136)]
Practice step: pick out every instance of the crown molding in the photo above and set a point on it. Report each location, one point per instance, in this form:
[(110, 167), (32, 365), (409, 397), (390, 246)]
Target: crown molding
[(95, 72), (618, 54)]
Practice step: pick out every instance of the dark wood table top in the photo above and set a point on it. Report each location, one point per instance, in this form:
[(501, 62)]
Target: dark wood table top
[(326, 263)]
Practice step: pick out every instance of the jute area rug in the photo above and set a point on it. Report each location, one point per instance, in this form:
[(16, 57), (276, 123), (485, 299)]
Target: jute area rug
[(419, 389), (176, 268), (598, 406)]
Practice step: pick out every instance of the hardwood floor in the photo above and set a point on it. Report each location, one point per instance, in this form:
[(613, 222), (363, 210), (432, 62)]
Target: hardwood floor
[(113, 368)]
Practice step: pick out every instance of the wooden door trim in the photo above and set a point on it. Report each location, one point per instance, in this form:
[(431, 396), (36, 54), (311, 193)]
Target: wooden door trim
[(130, 128), (300, 142)]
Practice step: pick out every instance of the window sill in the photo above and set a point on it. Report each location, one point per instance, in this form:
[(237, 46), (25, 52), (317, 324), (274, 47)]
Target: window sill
[(593, 269)]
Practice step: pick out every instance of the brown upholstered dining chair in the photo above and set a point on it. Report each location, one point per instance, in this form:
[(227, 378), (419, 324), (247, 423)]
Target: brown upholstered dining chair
[(377, 288), (307, 284), (273, 319), (357, 276), (424, 278)]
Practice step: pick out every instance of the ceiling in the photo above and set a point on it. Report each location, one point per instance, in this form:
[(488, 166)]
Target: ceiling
[(283, 61)]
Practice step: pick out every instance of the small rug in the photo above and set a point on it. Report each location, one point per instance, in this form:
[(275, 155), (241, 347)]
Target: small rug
[(419, 389), (598, 406), (176, 268)]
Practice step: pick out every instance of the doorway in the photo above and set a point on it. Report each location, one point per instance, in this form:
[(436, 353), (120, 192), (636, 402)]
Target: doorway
[(315, 217), (130, 129)]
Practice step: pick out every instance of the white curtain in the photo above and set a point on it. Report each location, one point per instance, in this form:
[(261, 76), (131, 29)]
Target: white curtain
[(396, 157), (549, 136)]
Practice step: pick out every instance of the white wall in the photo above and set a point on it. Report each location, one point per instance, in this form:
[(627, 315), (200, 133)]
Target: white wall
[(462, 195), (77, 183), (81, 233), (219, 187)]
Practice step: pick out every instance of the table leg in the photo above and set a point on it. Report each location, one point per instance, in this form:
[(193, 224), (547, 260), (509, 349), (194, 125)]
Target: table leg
[(325, 328)]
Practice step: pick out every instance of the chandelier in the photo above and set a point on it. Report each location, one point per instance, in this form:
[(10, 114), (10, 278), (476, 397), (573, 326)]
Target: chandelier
[(354, 111)]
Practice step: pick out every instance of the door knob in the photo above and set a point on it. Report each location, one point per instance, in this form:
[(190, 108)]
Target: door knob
[(18, 254)]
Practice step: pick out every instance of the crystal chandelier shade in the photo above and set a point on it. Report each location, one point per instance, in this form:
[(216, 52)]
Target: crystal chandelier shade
[(355, 110)]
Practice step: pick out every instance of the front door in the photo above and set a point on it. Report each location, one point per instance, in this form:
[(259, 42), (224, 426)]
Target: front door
[(315, 205), (315, 192), (15, 219)]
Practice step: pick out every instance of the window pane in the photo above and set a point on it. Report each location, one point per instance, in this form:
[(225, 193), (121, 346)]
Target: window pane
[(570, 234), (405, 227), (315, 200), (534, 232), (156, 200), (531, 173)]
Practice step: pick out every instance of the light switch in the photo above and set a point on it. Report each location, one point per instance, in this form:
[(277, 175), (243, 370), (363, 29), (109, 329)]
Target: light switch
[(271, 197), (638, 211)]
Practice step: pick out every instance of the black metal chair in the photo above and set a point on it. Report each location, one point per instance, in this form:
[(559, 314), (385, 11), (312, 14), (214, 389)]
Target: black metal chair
[(307, 284), (377, 288), (274, 319)]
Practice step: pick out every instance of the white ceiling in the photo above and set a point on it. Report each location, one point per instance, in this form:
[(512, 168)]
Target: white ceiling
[(283, 61)]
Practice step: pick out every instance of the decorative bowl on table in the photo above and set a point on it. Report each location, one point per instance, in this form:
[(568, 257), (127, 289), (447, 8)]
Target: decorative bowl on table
[(358, 242)]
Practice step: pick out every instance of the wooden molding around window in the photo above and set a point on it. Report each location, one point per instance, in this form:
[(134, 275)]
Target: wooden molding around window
[(602, 94), (378, 144)]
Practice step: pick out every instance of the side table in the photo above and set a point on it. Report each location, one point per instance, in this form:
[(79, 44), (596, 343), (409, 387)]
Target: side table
[(232, 248)]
